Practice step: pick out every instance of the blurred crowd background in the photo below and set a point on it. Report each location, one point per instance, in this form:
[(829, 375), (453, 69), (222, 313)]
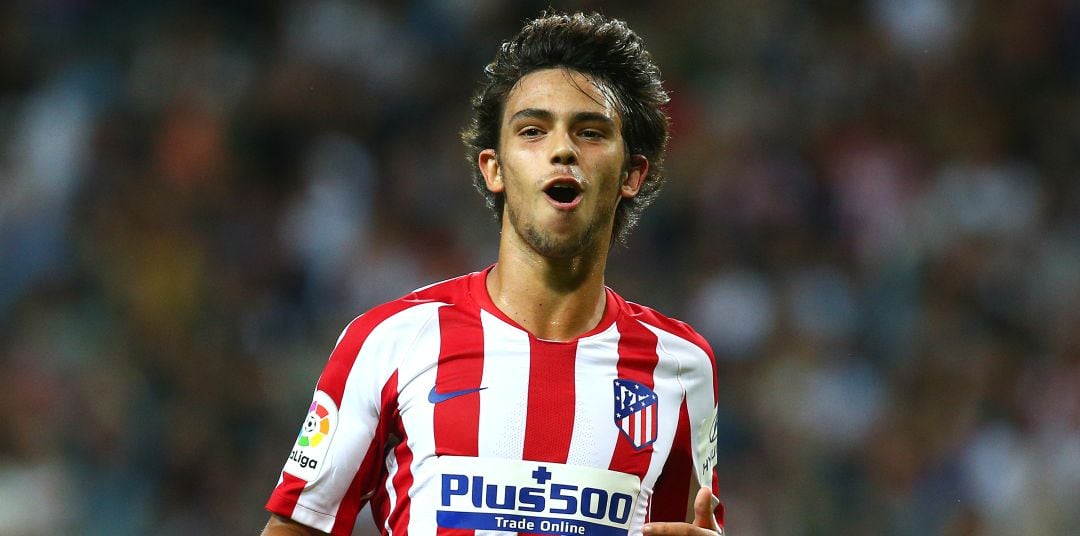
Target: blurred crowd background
[(873, 215)]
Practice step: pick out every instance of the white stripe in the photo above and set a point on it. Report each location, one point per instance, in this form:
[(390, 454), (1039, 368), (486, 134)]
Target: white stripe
[(503, 404), (649, 412), (595, 432), (416, 375), (638, 431)]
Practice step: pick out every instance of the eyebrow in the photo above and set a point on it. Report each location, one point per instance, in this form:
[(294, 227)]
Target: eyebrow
[(578, 117)]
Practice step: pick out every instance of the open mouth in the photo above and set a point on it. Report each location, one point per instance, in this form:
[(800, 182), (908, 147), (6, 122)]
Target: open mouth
[(562, 192)]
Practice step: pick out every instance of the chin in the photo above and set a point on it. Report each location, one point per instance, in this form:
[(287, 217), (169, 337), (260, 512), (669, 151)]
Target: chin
[(555, 246), (561, 238)]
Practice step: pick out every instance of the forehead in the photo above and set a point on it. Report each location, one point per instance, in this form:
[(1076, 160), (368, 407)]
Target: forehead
[(560, 91)]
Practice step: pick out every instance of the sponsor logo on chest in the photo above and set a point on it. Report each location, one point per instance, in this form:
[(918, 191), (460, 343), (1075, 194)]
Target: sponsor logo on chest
[(524, 496)]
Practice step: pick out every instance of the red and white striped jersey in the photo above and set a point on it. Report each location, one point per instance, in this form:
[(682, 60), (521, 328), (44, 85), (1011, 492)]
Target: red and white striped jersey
[(451, 419)]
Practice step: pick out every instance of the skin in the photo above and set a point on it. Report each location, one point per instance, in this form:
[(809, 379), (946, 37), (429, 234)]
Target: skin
[(558, 125), (550, 274)]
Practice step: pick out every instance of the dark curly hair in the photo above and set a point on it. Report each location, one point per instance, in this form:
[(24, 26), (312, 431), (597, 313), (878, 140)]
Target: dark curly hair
[(603, 49)]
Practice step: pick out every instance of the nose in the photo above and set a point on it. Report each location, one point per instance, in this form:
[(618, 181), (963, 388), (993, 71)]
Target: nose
[(563, 151)]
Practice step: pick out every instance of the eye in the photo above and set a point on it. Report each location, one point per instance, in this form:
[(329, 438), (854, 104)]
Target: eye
[(530, 132), (591, 134)]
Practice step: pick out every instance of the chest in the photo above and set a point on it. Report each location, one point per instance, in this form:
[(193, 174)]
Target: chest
[(606, 402)]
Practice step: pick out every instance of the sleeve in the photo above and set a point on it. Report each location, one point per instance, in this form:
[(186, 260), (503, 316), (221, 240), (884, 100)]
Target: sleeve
[(701, 384), (693, 453), (334, 464), (705, 454), (702, 405)]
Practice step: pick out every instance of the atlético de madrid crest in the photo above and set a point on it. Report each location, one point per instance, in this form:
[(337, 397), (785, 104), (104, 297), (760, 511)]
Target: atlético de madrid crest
[(635, 412)]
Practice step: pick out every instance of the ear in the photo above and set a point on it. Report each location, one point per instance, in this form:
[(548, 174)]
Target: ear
[(634, 176), (489, 168)]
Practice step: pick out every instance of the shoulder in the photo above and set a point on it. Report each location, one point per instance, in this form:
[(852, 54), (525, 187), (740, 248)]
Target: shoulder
[(385, 334), (688, 351), (399, 321), (409, 312), (673, 328)]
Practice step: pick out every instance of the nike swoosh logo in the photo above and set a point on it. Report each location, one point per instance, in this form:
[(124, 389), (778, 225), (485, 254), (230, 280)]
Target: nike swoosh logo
[(435, 397)]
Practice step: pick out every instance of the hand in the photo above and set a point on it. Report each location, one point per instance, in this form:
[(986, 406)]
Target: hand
[(704, 524)]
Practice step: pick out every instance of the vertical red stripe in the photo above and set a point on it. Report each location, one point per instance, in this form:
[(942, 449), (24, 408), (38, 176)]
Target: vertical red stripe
[(550, 419), (671, 493), (380, 509), (461, 366), (637, 362)]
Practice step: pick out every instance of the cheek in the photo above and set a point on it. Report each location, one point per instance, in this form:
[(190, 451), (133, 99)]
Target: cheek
[(517, 167), (614, 172)]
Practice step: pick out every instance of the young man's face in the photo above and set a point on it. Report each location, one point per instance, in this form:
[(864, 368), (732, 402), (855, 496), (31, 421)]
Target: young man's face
[(561, 163)]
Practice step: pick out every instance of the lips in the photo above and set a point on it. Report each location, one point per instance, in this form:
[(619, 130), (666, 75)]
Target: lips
[(563, 192)]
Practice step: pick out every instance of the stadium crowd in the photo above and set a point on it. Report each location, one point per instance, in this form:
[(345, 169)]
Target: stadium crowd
[(872, 214)]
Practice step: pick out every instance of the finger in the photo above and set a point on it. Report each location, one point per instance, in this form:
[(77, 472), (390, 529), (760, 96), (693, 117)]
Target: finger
[(675, 529), (703, 509)]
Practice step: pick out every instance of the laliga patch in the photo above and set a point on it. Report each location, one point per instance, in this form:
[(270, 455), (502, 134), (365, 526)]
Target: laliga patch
[(313, 442), (706, 448), (534, 497), (635, 412)]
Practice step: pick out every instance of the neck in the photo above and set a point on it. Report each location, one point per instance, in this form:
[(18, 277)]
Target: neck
[(554, 299)]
